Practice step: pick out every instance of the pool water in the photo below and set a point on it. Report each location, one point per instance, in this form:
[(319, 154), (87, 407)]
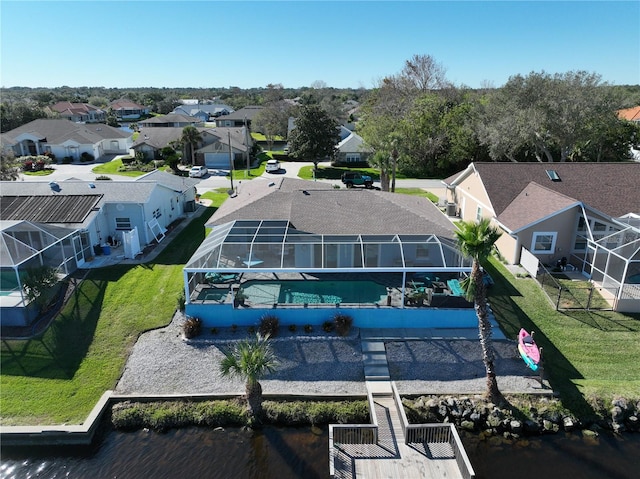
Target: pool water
[(212, 294), (313, 292)]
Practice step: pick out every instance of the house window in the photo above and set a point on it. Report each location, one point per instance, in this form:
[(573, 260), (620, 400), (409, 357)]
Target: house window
[(123, 224), (352, 157), (478, 213), (543, 242), (156, 213)]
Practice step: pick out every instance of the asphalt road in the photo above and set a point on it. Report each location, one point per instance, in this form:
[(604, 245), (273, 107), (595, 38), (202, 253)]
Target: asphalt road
[(213, 181)]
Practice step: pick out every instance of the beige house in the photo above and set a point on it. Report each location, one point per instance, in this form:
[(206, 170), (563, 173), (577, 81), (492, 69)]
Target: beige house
[(587, 214)]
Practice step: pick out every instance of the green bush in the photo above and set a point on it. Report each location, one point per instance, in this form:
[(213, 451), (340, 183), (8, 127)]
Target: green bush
[(342, 323), (328, 326), (297, 413), (308, 328), (192, 328), (182, 300), (269, 325), (103, 178), (86, 157), (293, 328)]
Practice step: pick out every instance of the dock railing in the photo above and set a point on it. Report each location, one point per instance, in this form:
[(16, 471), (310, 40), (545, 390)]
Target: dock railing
[(353, 434), (434, 434)]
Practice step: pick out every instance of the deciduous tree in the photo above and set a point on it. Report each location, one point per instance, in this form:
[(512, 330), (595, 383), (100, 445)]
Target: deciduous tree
[(314, 136)]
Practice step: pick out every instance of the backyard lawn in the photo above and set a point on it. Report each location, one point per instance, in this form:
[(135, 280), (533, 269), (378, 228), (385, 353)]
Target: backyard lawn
[(587, 354)]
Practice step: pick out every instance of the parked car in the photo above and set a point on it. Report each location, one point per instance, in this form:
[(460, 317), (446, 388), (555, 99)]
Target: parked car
[(198, 171), (272, 166), (354, 178)]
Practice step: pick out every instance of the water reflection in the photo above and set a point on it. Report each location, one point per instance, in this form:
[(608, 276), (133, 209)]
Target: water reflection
[(295, 453)]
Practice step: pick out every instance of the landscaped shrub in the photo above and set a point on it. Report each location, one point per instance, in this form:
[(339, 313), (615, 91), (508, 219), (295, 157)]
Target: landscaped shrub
[(182, 300), (192, 328), (102, 178), (308, 328), (67, 160), (293, 328), (86, 157), (343, 323), (328, 326), (269, 325), (295, 413), (126, 160)]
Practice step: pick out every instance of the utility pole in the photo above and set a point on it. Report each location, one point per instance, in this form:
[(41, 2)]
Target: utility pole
[(230, 162), (246, 143)]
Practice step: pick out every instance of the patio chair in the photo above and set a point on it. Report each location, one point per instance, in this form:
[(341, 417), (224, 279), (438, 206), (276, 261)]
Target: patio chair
[(220, 277)]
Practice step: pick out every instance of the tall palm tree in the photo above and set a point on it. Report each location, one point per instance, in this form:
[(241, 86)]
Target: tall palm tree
[(476, 240), (191, 137), (250, 359)]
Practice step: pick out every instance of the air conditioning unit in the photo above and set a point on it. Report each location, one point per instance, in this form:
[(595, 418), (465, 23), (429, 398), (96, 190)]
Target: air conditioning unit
[(451, 209)]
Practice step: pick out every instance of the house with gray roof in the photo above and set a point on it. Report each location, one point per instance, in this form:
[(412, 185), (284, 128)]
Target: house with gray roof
[(584, 214), (66, 224), (204, 111), (352, 150), (275, 230), (172, 120), (241, 117), (128, 110), (64, 138)]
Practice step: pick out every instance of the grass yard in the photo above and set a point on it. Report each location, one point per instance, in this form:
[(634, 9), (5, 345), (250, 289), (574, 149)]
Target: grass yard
[(111, 168), (587, 354), (59, 377)]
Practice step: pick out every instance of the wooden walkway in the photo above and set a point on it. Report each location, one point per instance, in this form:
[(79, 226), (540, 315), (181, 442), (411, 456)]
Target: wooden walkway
[(391, 457)]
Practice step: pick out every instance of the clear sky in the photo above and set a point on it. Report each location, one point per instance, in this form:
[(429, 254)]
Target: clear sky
[(341, 43)]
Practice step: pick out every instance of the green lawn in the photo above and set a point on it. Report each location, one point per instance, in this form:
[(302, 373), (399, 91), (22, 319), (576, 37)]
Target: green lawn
[(111, 168), (59, 377), (587, 354)]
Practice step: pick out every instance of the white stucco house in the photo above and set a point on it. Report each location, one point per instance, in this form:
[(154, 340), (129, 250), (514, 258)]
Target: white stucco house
[(64, 138)]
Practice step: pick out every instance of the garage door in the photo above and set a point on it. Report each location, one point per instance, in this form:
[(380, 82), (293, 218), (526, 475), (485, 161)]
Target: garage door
[(216, 161)]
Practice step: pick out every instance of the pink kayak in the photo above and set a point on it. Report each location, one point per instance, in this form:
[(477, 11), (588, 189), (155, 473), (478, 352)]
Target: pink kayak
[(528, 349)]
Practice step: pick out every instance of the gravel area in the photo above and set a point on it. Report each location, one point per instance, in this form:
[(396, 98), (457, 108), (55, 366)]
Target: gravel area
[(317, 363)]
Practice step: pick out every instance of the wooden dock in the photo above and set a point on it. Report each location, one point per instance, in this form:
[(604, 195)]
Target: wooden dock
[(383, 450)]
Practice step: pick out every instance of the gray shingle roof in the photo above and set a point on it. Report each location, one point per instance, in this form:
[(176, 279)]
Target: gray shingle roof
[(58, 131), (48, 209), (173, 182), (316, 207)]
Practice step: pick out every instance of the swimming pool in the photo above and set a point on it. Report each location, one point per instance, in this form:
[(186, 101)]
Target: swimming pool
[(313, 292)]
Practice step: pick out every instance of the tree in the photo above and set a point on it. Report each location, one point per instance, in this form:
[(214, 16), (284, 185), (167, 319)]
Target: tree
[(251, 360), (314, 136), (190, 138), (39, 284), (9, 166), (476, 241), (548, 118)]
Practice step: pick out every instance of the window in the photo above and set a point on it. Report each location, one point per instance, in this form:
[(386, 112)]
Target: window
[(543, 242), (478, 213), (156, 213), (123, 224), (352, 157)]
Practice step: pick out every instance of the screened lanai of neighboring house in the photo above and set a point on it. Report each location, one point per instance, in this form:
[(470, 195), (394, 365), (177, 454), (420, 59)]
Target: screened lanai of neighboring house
[(24, 246), (275, 246)]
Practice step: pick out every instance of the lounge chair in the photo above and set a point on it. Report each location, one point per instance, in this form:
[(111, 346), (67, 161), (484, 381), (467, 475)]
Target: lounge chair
[(220, 277)]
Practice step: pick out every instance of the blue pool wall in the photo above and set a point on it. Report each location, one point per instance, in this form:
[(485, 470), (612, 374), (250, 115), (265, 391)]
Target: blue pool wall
[(225, 315)]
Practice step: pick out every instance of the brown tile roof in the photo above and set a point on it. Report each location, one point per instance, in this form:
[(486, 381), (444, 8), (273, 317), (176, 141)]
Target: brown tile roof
[(611, 188), (317, 207), (630, 114)]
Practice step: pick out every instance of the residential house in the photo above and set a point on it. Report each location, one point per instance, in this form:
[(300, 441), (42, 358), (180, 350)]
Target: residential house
[(630, 114), (586, 213), (241, 117), (203, 111), (65, 224), (128, 110), (352, 150), (171, 120), (275, 229), (67, 139), (79, 112), (212, 151)]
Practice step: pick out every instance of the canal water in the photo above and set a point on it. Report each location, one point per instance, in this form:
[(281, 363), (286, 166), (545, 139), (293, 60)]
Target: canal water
[(303, 453)]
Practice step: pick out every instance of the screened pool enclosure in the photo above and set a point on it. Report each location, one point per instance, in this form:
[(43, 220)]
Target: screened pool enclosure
[(275, 246)]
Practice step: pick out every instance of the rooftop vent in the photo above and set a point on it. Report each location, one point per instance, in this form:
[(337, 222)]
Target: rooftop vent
[(92, 185), (553, 175)]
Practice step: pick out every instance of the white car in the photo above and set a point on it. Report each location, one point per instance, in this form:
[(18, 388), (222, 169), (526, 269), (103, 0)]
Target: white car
[(272, 166), (198, 171)]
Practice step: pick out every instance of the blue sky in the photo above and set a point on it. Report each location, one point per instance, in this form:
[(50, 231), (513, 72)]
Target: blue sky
[(342, 43)]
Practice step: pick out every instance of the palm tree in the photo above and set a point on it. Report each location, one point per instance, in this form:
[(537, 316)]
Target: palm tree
[(250, 359), (191, 137), (476, 240)]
